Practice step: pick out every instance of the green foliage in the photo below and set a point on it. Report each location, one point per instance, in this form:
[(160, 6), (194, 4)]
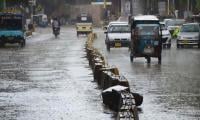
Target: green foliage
[(183, 2), (198, 4), (51, 6)]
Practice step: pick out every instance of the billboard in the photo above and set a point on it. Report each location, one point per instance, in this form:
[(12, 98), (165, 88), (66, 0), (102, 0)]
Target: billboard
[(101, 2)]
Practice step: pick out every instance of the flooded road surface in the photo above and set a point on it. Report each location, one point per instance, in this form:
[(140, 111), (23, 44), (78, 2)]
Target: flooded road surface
[(49, 79), (171, 91)]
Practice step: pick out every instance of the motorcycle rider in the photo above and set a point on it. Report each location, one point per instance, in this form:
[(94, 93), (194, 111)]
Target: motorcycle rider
[(56, 24)]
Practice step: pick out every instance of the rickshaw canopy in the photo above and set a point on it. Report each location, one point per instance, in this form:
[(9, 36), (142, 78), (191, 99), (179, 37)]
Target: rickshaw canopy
[(11, 21)]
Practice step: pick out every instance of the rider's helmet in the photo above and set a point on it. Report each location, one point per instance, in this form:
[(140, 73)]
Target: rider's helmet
[(55, 18)]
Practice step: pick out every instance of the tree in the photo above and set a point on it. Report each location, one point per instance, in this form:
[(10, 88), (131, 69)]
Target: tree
[(51, 7), (183, 3), (198, 5)]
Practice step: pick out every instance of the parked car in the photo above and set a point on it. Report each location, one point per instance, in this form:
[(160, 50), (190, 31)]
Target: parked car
[(117, 35), (166, 36), (189, 35)]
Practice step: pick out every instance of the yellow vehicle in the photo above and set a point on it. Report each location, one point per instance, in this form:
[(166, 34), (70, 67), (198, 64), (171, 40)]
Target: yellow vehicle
[(84, 24)]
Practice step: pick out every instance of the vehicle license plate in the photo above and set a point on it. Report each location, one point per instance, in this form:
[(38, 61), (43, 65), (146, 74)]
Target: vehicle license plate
[(118, 44), (148, 50), (155, 42), (185, 41), (10, 38)]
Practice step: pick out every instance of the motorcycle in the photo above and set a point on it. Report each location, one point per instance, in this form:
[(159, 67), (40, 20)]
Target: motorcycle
[(56, 31)]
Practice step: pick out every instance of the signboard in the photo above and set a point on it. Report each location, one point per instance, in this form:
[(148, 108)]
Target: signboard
[(7, 17), (32, 2), (101, 2), (11, 10)]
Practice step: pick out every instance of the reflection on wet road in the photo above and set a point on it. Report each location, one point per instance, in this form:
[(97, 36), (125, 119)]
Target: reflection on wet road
[(49, 79), (171, 91)]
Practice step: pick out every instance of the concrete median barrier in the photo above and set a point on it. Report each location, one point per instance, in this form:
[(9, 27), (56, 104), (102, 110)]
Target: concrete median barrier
[(116, 87)]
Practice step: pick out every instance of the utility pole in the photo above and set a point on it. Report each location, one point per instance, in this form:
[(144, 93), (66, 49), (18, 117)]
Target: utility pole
[(188, 5), (131, 7), (32, 3), (174, 5), (168, 7)]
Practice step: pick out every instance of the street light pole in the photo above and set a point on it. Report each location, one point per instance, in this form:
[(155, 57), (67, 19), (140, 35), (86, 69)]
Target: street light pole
[(131, 7), (32, 4), (188, 7), (105, 4), (168, 7)]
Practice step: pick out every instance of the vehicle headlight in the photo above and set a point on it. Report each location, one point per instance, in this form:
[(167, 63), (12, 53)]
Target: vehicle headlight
[(110, 39), (166, 35), (179, 37), (196, 37)]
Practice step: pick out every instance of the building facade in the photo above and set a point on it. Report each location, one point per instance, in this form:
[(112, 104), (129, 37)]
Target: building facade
[(174, 8)]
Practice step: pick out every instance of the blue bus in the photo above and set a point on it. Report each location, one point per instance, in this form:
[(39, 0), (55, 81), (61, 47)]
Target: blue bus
[(40, 20), (12, 29)]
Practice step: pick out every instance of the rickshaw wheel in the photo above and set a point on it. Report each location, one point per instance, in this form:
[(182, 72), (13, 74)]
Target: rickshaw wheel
[(148, 60), (23, 43), (2, 44), (159, 60), (108, 47)]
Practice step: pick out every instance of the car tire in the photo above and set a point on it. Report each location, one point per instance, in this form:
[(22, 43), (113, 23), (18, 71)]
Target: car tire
[(131, 57), (164, 46), (23, 43), (148, 60), (108, 47), (159, 59), (169, 46), (177, 45)]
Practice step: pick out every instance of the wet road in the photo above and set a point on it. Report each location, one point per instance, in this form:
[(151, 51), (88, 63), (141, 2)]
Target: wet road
[(49, 79), (171, 91)]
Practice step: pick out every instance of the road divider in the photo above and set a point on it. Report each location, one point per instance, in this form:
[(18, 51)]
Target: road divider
[(116, 90)]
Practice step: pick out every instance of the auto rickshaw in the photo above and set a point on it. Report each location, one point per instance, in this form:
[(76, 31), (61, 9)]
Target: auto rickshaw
[(12, 29), (84, 24), (145, 37)]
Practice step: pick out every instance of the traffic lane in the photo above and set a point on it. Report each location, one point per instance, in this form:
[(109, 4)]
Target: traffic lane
[(170, 90), (49, 79)]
